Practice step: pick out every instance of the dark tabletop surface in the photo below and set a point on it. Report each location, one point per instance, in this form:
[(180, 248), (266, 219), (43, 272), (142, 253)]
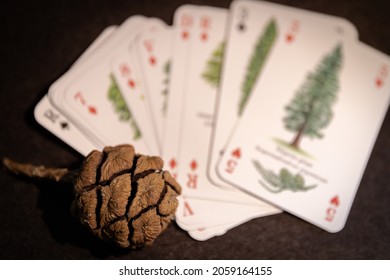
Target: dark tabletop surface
[(41, 39)]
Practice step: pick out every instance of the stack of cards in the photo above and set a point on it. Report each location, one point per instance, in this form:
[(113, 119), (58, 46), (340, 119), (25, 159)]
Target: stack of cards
[(256, 109)]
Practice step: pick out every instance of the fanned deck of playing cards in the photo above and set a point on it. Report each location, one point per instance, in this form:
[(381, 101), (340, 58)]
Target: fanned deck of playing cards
[(255, 110)]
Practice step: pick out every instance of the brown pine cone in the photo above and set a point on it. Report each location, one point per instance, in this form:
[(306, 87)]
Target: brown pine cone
[(124, 197), (121, 196)]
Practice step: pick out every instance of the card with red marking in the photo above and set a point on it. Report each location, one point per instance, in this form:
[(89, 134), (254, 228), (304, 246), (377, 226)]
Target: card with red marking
[(193, 213), (57, 123), (88, 96), (253, 33), (304, 143), (183, 25), (126, 71), (154, 50), (196, 84), (204, 219), (199, 97)]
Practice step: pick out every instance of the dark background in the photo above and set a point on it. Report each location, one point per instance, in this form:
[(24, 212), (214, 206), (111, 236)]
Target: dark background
[(40, 40)]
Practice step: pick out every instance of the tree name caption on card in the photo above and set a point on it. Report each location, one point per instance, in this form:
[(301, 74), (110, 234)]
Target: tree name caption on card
[(301, 164)]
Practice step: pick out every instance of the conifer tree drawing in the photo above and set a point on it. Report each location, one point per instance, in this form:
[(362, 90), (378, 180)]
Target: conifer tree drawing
[(310, 110), (256, 62), (165, 91), (213, 67), (115, 96)]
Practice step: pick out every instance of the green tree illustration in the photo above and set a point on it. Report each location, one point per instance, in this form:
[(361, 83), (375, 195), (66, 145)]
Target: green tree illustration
[(165, 91), (285, 180), (124, 114), (256, 62), (310, 109), (213, 67)]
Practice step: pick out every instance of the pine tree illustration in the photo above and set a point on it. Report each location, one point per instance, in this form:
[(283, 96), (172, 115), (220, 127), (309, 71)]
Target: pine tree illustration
[(165, 91), (310, 109), (213, 66), (256, 62), (115, 96)]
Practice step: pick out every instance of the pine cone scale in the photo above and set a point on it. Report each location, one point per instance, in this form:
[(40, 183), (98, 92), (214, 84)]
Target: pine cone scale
[(114, 199), (86, 205), (146, 228), (149, 189), (117, 159), (87, 179)]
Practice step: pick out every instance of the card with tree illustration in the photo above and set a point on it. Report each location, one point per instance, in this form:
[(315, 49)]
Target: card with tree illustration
[(306, 136), (126, 71), (255, 29)]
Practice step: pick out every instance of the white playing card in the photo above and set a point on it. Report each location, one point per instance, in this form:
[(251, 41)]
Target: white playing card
[(205, 233), (127, 73), (183, 25), (153, 48), (193, 214), (304, 143), (56, 89), (48, 117), (248, 28), (199, 96), (51, 119), (97, 102), (84, 95), (103, 38)]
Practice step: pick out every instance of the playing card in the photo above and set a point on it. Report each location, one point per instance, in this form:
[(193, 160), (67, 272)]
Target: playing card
[(99, 42), (87, 59), (205, 233), (252, 35), (304, 142), (153, 48), (193, 214), (90, 98), (48, 117), (127, 73), (183, 25), (199, 96), (51, 119)]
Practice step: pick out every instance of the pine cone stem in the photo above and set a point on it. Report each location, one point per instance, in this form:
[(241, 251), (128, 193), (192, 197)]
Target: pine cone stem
[(40, 171)]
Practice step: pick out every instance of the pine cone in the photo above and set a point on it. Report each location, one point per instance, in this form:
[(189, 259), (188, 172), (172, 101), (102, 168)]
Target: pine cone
[(124, 197)]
